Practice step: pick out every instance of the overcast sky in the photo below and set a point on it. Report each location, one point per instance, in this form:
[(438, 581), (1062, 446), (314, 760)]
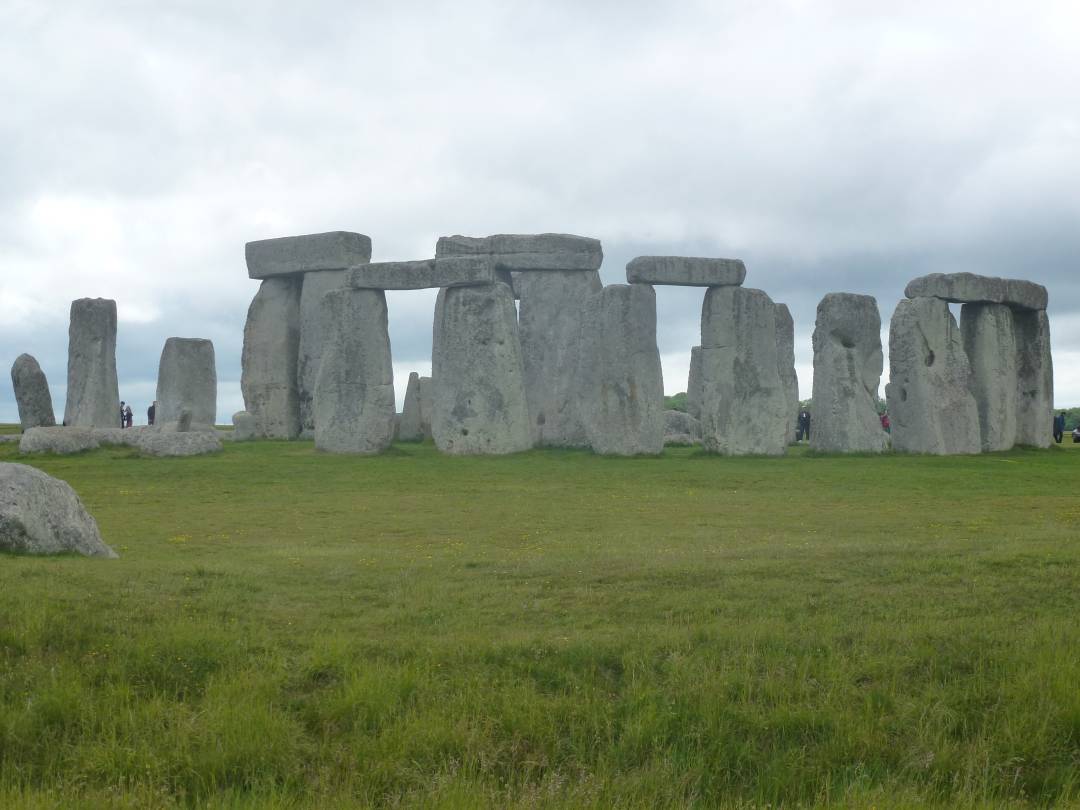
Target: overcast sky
[(831, 146)]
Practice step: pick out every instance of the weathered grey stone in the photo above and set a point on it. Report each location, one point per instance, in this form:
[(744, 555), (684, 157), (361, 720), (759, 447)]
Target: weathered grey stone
[(969, 288), (309, 352), (1035, 378), (744, 407), (59, 440), (686, 271), (187, 381), (354, 392), (785, 358), (693, 384), (427, 404), (31, 393), (681, 428), (989, 339), (287, 255), (847, 372), (155, 442), (549, 322), (93, 395), (619, 382), (525, 252), (40, 514), (479, 391), (931, 407), (244, 426), (449, 271), (269, 361), (410, 425)]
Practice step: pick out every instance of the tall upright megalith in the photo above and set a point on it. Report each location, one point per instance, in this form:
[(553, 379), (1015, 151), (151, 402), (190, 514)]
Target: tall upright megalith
[(427, 404), (354, 390), (693, 384), (1034, 377), (989, 339), (931, 406), (410, 426), (847, 372), (187, 382), (619, 383), (93, 394), (309, 348), (31, 393), (271, 342), (744, 405), (785, 358)]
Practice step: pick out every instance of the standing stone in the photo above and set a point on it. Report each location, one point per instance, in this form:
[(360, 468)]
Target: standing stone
[(244, 427), (93, 395), (931, 407), (479, 393), (410, 426), (744, 406), (693, 384), (354, 391), (427, 405), (989, 339), (847, 371), (1035, 378), (313, 287), (785, 358), (620, 385), (31, 393), (550, 327), (187, 381), (681, 428), (271, 344)]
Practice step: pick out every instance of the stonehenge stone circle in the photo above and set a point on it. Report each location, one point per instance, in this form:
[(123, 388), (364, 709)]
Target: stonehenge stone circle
[(681, 428), (410, 425), (187, 381), (523, 252), (619, 382), (93, 395), (687, 271), (968, 288), (743, 406), (271, 346), (427, 404), (1035, 378), (40, 514), (989, 339), (354, 391), (479, 392), (450, 271), (785, 358), (847, 371), (693, 384), (931, 407), (309, 348), (288, 255), (31, 393)]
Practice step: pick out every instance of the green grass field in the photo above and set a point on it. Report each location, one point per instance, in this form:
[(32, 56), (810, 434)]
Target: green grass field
[(554, 629)]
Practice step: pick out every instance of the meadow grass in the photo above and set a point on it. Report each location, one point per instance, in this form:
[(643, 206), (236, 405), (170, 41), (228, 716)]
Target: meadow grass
[(552, 629)]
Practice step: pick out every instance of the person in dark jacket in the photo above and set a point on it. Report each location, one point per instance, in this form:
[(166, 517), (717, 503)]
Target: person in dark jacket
[(150, 413), (123, 416), (1059, 426), (803, 424)]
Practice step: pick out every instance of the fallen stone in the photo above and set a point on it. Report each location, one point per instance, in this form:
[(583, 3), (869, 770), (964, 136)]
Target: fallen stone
[(549, 323), (989, 339), (693, 384), (686, 271), (479, 402), (31, 393), (1034, 377), (60, 440), (187, 381), (526, 252), (450, 271), (847, 372), (354, 392), (619, 383), (287, 255), (681, 429), (244, 427), (785, 357), (309, 350), (93, 395), (969, 288), (154, 442), (427, 404), (744, 407), (931, 407), (410, 425), (40, 514), (269, 361)]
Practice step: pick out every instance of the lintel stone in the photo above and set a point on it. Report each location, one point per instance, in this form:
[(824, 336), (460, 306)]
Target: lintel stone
[(686, 271), (450, 271), (969, 288), (527, 252), (286, 255)]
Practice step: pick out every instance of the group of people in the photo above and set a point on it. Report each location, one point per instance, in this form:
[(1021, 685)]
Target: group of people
[(127, 417)]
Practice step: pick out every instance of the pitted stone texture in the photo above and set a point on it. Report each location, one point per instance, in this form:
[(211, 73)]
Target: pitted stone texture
[(620, 385), (93, 396), (40, 514), (287, 255), (549, 322), (269, 361), (686, 271), (187, 381), (427, 404), (989, 339), (309, 352), (58, 439), (525, 252), (354, 393), (785, 358), (931, 407), (479, 393), (449, 271), (1035, 379), (244, 427), (31, 393), (847, 372), (744, 407), (410, 425), (681, 428), (694, 390), (155, 442), (969, 288)]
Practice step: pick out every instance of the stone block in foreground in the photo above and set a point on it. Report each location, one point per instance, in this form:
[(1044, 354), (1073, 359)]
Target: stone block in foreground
[(286, 255), (686, 271), (969, 288)]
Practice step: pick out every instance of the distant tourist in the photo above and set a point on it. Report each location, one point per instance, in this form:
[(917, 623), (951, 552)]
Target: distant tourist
[(123, 416), (1059, 426), (150, 413), (803, 426), (885, 424), (129, 417)]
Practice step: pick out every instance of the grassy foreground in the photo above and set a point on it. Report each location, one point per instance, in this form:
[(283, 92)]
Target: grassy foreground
[(554, 629)]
